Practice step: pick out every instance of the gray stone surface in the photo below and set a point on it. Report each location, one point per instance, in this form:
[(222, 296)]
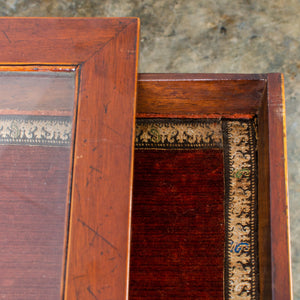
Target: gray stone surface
[(243, 36)]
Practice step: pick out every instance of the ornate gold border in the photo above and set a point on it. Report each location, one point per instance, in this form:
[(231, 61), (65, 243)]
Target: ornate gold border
[(166, 133), (35, 130), (240, 210)]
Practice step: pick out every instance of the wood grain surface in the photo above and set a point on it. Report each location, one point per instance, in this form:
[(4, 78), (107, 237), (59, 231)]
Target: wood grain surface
[(98, 251), (274, 251), (198, 95), (279, 220), (60, 41)]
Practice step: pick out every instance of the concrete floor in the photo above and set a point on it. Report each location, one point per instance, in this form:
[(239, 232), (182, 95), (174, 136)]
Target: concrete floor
[(243, 36)]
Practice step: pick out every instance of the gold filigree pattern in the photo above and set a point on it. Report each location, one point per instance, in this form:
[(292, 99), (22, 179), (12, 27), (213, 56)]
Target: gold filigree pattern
[(178, 134), (35, 130), (240, 252)]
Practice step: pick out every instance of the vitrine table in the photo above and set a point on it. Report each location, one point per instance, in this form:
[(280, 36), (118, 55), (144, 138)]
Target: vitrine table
[(113, 186)]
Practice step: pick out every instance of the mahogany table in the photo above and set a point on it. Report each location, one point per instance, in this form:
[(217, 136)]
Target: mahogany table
[(119, 186)]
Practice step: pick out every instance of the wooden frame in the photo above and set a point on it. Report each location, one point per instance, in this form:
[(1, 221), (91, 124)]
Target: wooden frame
[(104, 54), (239, 96)]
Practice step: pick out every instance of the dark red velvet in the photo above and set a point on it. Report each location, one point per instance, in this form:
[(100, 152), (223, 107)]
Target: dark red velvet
[(177, 249)]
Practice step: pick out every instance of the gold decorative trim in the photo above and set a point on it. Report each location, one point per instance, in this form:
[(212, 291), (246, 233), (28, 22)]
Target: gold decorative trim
[(166, 133), (34, 130), (241, 212)]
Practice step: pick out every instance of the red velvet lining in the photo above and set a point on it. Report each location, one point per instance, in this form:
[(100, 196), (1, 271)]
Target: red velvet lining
[(177, 248)]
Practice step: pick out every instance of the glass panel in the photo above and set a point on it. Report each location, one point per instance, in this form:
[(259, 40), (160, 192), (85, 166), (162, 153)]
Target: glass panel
[(36, 113)]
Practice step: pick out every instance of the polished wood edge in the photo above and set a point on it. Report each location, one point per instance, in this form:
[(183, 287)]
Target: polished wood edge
[(194, 116), (70, 18), (198, 76), (132, 162), (37, 68), (33, 65), (70, 179), (264, 236), (286, 182), (279, 215), (12, 112)]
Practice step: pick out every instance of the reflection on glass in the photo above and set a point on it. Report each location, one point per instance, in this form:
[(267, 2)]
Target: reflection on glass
[(36, 112)]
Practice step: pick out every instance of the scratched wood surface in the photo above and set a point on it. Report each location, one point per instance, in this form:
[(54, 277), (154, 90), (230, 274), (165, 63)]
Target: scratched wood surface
[(104, 54), (102, 181)]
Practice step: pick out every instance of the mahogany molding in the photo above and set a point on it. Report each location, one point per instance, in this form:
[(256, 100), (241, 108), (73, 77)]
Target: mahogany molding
[(104, 54), (202, 95), (279, 210)]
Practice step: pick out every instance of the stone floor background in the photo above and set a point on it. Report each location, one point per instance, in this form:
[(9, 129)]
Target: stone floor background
[(212, 36)]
